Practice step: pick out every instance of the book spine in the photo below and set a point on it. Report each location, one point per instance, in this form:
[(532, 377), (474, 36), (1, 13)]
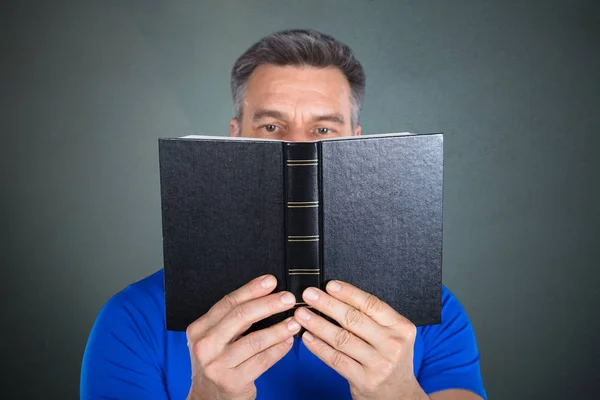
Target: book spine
[(302, 236)]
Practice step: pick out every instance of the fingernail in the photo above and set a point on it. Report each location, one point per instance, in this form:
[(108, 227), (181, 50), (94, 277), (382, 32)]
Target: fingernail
[(268, 281), (303, 314), (308, 336), (289, 340), (310, 294), (333, 286), (287, 298), (293, 325)]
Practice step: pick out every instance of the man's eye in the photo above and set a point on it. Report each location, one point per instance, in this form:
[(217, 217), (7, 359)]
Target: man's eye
[(270, 128), (323, 131)]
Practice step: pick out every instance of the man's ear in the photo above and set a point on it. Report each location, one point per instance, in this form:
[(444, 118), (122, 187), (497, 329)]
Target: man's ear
[(233, 127), (357, 130)]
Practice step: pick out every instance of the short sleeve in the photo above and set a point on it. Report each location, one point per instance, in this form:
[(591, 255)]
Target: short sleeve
[(121, 359), (451, 358)]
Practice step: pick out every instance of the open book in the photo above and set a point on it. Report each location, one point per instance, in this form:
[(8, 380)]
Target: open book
[(363, 209)]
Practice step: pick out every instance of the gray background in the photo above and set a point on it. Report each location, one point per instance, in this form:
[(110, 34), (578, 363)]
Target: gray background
[(88, 87)]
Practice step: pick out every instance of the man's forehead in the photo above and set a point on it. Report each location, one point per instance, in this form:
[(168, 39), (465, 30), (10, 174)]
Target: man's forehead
[(315, 90)]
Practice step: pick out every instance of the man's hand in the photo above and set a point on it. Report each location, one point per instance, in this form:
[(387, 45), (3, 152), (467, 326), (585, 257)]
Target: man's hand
[(373, 349), (225, 367)]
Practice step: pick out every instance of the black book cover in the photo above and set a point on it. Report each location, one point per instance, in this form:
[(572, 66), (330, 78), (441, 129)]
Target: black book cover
[(365, 210)]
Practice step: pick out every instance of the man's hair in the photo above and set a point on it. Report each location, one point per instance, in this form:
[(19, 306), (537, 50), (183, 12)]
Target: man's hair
[(299, 47)]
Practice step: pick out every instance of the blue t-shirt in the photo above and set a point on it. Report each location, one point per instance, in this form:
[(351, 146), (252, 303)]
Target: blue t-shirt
[(131, 355)]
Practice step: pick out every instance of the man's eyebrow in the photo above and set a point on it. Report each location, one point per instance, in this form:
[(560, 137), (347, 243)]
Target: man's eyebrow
[(265, 113), (336, 118)]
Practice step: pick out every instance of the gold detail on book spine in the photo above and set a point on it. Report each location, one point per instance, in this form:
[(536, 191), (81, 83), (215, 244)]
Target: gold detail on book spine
[(303, 204), (303, 269), (302, 163), (304, 238)]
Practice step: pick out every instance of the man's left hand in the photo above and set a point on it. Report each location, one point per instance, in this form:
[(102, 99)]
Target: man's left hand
[(373, 348)]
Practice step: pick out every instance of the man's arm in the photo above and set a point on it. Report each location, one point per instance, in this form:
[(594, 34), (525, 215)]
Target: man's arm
[(451, 369), (121, 356)]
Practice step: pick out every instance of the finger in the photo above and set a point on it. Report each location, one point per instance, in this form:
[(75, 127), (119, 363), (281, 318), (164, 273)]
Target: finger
[(338, 338), (256, 365), (256, 288), (348, 316), (244, 315), (252, 344), (343, 364), (365, 302)]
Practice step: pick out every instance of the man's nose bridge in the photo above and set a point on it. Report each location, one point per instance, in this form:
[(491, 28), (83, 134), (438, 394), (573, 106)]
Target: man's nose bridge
[(297, 133)]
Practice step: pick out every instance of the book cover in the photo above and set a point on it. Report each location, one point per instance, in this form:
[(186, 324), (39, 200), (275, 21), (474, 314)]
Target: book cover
[(364, 209)]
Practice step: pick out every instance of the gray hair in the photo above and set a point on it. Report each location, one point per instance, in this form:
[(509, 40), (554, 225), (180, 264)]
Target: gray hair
[(299, 47)]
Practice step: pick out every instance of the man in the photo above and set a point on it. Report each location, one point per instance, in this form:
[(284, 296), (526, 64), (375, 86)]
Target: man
[(294, 85)]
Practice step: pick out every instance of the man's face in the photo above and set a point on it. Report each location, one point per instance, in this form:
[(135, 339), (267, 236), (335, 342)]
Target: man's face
[(297, 104)]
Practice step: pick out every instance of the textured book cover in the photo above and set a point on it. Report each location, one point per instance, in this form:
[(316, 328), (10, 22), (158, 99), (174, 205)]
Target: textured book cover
[(365, 210)]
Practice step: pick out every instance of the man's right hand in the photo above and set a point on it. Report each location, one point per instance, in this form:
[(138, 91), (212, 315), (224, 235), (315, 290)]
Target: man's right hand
[(225, 366)]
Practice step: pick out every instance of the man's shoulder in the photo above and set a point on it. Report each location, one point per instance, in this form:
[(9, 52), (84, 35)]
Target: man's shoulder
[(152, 285), (450, 303), (454, 320), (150, 288), (143, 299)]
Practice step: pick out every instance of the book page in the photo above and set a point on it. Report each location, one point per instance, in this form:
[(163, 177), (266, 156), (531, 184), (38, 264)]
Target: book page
[(368, 136), (216, 137)]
